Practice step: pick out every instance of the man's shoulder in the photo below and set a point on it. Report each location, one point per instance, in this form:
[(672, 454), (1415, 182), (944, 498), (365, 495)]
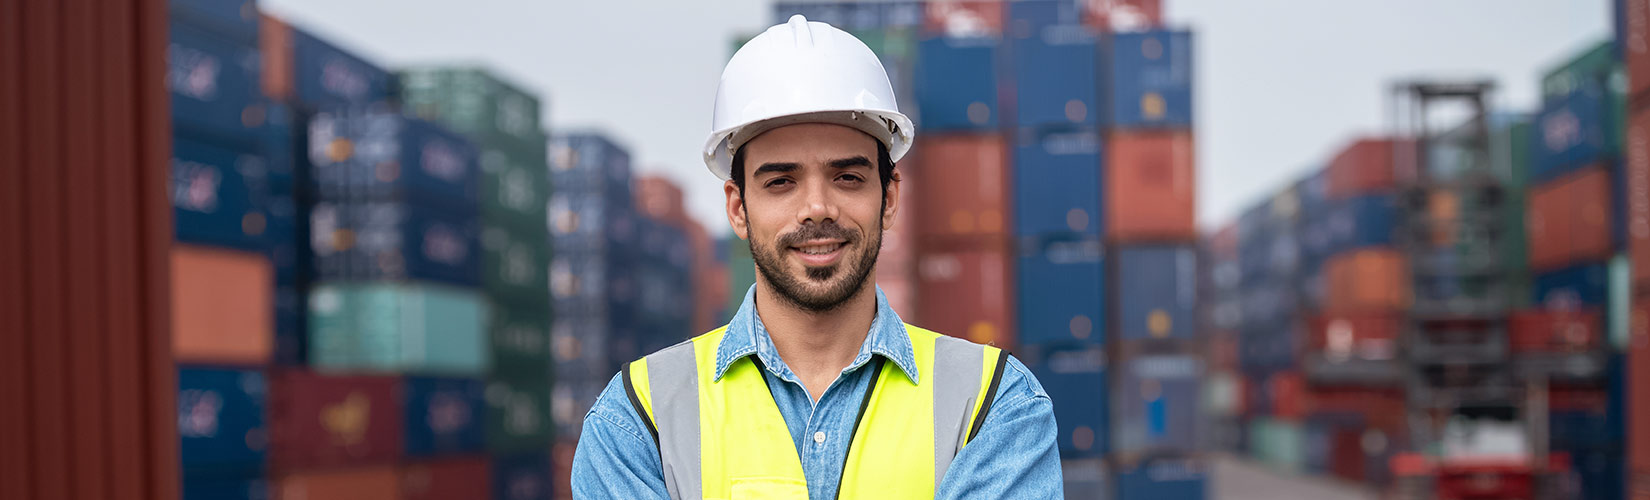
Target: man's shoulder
[(713, 336)]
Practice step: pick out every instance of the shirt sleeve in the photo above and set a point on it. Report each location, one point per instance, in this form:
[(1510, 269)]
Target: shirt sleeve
[(1015, 454), (616, 457)]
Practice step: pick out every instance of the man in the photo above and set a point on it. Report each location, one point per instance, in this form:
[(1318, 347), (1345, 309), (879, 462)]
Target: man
[(815, 388)]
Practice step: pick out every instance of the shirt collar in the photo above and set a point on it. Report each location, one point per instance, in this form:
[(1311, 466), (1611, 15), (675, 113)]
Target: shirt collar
[(746, 335)]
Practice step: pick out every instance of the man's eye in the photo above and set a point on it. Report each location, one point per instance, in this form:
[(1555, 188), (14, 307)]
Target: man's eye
[(850, 178), (777, 182)]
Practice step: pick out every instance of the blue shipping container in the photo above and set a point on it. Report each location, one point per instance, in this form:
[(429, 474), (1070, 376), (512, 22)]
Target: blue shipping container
[(221, 421), (1061, 298), (329, 76), (214, 84), (590, 163), (851, 16), (291, 327), (1156, 404), (218, 195), (1584, 285), (395, 241), (1056, 77), (1574, 132), (957, 84), (233, 19), (1156, 292), (282, 128), (444, 415), (1030, 18), (377, 152), (1151, 79), (1599, 473), (1075, 378), (1087, 479), (1057, 182), (1364, 221), (1162, 479), (521, 477), (215, 488)]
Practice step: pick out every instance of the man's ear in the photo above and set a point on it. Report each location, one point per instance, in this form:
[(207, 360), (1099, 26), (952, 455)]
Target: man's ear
[(890, 199), (736, 209)]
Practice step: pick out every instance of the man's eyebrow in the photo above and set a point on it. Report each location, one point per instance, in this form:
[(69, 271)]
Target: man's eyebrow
[(857, 161), (776, 168)]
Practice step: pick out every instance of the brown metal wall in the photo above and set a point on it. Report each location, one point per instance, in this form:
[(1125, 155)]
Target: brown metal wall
[(85, 365)]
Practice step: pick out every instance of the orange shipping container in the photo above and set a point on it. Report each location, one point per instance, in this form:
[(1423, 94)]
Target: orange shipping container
[(222, 306), (275, 52), (1368, 166), (372, 483), (660, 198), (967, 293), (1367, 280), (968, 194), (1637, 171), (1568, 219), (1151, 186), (1288, 395)]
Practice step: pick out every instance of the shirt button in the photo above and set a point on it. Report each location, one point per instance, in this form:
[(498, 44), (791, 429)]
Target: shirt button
[(819, 438)]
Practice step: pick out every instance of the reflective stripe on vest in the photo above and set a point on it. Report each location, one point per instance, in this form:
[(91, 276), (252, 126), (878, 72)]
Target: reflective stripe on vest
[(726, 439)]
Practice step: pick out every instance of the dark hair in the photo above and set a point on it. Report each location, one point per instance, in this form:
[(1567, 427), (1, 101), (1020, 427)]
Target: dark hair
[(885, 168)]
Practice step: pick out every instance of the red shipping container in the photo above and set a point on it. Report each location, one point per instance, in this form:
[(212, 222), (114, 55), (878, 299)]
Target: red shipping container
[(1359, 335), (1151, 186), (1223, 352), (223, 306), (1123, 15), (968, 194), (325, 421), (1569, 219), (1367, 281), (1638, 388), (1637, 170), (275, 53), (1635, 47), (660, 198), (1288, 395), (372, 483), (449, 479), (1346, 454), (1366, 166), (1382, 409), (1558, 331), (964, 18), (967, 293)]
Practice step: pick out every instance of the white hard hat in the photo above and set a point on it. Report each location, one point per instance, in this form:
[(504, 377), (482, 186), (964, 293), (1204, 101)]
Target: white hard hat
[(803, 72)]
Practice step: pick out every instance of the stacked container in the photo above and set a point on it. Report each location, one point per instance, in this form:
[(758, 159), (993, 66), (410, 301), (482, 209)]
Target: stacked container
[(691, 250), (1635, 17), (503, 123)]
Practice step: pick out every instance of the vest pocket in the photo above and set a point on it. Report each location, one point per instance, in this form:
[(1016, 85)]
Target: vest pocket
[(767, 488)]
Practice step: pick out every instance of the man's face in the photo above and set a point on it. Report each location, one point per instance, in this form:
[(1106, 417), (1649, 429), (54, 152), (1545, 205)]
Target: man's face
[(813, 211)]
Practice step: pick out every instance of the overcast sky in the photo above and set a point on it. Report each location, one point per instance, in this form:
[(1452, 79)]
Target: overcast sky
[(1281, 84)]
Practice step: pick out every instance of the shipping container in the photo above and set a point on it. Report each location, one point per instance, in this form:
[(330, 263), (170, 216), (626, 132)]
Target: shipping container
[(515, 266), (518, 415), (1555, 331), (965, 293), (849, 16), (1057, 182), (327, 75), (1075, 377), (1056, 73), (447, 479), (1355, 335), (1367, 166), (1600, 473), (236, 488), (364, 483), (1577, 130), (1582, 285), (978, 18), (1277, 443), (524, 476), (395, 240), (213, 83), (444, 416), (1086, 479), (1598, 63), (1156, 292), (1061, 292), (375, 152), (1362, 221), (1149, 76), (222, 309), (321, 421), (390, 327), (1571, 219), (1288, 395), (1638, 388), (515, 186), (1584, 418), (475, 102), (1367, 280), (1163, 478), (591, 162), (1150, 186), (561, 468), (236, 20), (1156, 403), (1636, 179), (956, 78), (1032, 18), (221, 422), (1122, 15), (519, 340), (219, 194), (966, 191)]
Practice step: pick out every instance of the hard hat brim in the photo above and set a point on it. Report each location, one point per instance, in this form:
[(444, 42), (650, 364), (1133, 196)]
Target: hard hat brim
[(893, 129)]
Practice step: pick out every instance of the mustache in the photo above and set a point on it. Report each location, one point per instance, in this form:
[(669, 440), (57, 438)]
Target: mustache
[(828, 230)]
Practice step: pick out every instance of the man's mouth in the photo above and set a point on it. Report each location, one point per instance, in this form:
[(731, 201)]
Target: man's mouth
[(819, 252)]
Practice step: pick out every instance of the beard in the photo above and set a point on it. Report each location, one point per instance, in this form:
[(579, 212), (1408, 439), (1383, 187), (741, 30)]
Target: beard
[(824, 288)]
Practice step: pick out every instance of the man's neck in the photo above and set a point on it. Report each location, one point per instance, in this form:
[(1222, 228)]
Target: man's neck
[(817, 345)]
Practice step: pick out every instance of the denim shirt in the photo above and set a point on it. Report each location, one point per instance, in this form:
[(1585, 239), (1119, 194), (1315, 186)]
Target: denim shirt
[(1013, 456)]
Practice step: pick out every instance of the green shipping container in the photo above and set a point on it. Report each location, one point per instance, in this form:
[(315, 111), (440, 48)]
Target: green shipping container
[(518, 415), (1511, 147), (1278, 443), (473, 102), (397, 327), (1598, 63), (515, 187), (741, 273), (515, 266), (520, 339)]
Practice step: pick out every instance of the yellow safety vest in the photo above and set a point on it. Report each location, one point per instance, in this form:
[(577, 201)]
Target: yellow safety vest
[(725, 439)]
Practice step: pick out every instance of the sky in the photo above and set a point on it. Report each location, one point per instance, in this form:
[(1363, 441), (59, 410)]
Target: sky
[(1281, 85)]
